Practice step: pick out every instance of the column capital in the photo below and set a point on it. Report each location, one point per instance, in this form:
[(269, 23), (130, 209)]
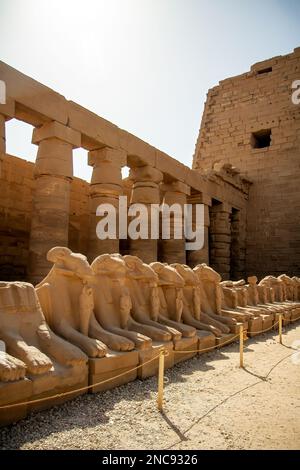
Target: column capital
[(200, 198), (117, 157), (55, 130), (222, 207), (176, 187), (146, 174)]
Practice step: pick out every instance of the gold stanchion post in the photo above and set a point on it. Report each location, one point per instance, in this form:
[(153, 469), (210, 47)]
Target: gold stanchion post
[(161, 368), (241, 345), (280, 328)]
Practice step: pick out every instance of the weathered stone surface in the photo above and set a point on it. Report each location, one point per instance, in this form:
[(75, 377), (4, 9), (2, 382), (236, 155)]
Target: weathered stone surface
[(119, 312), (56, 130), (41, 102), (96, 131), (257, 101), (105, 188)]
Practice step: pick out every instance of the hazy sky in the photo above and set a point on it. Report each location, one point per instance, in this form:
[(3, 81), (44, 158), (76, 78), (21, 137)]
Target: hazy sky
[(145, 65)]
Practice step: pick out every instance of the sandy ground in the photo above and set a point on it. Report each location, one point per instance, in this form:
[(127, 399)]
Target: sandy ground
[(210, 403)]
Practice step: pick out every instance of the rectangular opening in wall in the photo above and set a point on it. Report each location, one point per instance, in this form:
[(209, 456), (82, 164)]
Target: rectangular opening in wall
[(261, 139), (266, 70)]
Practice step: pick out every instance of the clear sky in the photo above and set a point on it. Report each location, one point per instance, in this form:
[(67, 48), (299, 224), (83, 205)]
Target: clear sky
[(145, 65)]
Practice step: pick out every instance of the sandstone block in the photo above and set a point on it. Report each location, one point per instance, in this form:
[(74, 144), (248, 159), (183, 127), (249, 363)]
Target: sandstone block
[(56, 130)]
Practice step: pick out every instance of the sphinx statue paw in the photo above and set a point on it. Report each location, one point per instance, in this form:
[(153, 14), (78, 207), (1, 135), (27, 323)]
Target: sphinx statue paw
[(11, 368), (176, 335), (62, 351), (37, 362), (70, 355), (95, 348), (143, 342), (162, 336), (121, 344), (216, 331), (189, 333)]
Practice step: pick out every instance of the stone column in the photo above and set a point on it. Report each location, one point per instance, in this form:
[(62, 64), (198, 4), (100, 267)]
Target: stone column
[(220, 239), (7, 111), (173, 250), (2, 139), (200, 256), (51, 199), (145, 190), (106, 187), (238, 244)]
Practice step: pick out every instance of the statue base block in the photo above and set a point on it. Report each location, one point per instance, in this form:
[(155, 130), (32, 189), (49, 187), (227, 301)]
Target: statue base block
[(61, 379), (287, 317), (11, 393), (205, 340), (295, 313), (255, 326), (185, 344), (268, 321), (235, 329), (148, 370), (110, 366), (225, 339)]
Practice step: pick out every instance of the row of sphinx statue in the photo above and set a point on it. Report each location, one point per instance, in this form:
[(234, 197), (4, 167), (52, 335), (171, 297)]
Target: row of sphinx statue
[(85, 323)]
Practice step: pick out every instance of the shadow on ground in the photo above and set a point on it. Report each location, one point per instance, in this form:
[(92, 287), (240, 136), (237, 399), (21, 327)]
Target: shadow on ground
[(96, 407)]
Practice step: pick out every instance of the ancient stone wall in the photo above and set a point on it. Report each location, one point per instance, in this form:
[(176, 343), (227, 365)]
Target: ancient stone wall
[(251, 122), (15, 208), (17, 184), (79, 216), (60, 210)]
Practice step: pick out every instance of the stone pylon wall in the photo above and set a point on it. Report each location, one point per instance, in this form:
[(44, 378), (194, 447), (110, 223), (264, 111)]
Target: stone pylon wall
[(260, 100)]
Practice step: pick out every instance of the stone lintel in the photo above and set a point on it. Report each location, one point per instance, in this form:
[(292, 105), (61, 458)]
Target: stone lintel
[(56, 130), (170, 166)]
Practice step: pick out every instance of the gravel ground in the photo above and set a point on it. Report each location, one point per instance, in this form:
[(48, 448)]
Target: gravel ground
[(210, 403)]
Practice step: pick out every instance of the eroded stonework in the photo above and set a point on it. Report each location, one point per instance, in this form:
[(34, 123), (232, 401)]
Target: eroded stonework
[(251, 124), (95, 314), (101, 324)]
